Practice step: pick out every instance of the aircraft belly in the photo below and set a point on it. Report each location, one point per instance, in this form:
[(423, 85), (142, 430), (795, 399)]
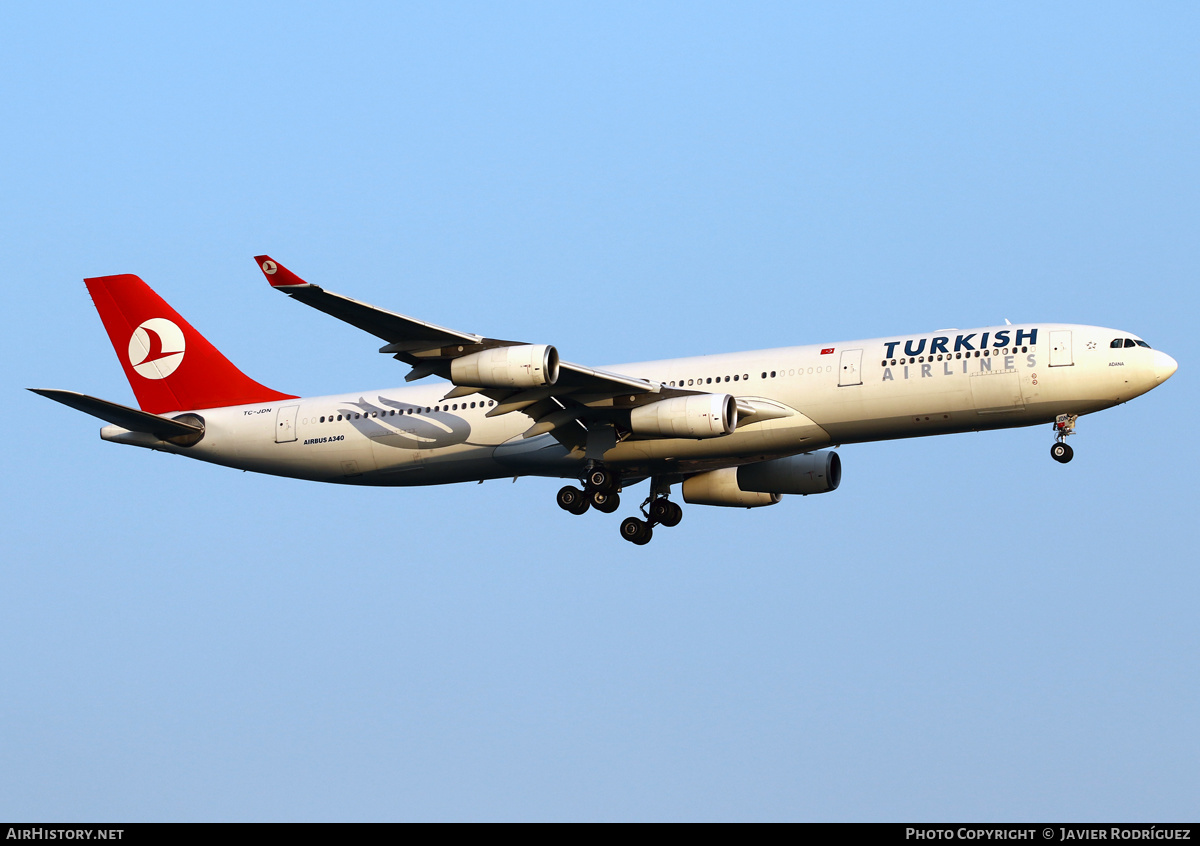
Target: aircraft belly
[(462, 462), (942, 422), (333, 463), (539, 456)]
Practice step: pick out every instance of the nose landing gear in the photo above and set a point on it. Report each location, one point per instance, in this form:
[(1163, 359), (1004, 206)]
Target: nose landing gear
[(1064, 425)]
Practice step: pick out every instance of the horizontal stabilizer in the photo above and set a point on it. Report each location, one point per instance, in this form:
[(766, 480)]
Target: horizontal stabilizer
[(121, 415)]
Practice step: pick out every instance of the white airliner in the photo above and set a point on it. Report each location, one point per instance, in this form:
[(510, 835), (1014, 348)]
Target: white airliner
[(738, 429)]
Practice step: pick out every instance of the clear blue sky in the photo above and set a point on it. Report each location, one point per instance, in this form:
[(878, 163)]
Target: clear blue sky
[(965, 630)]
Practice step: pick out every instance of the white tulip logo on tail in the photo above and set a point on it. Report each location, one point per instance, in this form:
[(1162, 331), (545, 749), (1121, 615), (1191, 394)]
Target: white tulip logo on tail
[(156, 348)]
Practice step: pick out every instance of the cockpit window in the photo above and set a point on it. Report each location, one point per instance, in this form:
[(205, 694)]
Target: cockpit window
[(1129, 343), (1144, 344), (1116, 344)]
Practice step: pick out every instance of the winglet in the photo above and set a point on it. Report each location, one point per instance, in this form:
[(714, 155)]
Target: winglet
[(278, 275)]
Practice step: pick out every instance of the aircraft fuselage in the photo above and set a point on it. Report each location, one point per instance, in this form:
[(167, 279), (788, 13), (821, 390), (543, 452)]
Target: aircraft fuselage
[(806, 398)]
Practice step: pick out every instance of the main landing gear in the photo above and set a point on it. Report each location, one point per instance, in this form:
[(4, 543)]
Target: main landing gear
[(1064, 425), (600, 491), (636, 531), (661, 512)]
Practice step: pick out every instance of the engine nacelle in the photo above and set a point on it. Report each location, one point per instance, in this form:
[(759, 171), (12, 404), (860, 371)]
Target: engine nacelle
[(720, 487), (520, 366), (764, 483), (812, 473), (696, 416)]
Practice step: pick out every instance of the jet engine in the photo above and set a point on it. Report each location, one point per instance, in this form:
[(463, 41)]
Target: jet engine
[(697, 416), (720, 487), (811, 473), (764, 483), (520, 366)]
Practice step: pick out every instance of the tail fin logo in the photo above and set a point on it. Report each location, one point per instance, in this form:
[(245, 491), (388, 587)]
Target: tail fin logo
[(269, 267), (156, 348)]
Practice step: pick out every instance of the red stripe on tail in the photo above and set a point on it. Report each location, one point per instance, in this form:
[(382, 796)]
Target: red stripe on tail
[(170, 366)]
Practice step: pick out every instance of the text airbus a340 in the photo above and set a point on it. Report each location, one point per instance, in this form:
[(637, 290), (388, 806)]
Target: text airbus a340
[(737, 429)]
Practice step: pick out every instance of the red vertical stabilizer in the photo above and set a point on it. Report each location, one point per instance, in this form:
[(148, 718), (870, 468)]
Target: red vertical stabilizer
[(170, 365)]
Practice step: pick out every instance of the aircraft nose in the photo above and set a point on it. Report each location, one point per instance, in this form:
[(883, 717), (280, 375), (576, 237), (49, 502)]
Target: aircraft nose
[(1164, 366)]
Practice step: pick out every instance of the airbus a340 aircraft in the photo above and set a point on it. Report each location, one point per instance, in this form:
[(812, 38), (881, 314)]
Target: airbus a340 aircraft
[(738, 429)]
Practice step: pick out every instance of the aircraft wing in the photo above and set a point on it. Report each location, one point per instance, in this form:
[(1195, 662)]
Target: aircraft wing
[(431, 350), (402, 334)]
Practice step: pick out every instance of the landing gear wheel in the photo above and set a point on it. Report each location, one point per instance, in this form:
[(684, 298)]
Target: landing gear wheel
[(665, 512), (636, 531), (606, 503), (572, 500), (601, 479), (1062, 453)]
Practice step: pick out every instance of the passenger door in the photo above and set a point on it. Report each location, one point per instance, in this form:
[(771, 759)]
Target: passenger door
[(285, 424), (851, 368), (1060, 348)]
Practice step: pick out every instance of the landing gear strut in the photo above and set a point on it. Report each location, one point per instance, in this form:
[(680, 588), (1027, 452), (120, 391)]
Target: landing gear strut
[(600, 486), (660, 511), (1064, 425), (601, 491)]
